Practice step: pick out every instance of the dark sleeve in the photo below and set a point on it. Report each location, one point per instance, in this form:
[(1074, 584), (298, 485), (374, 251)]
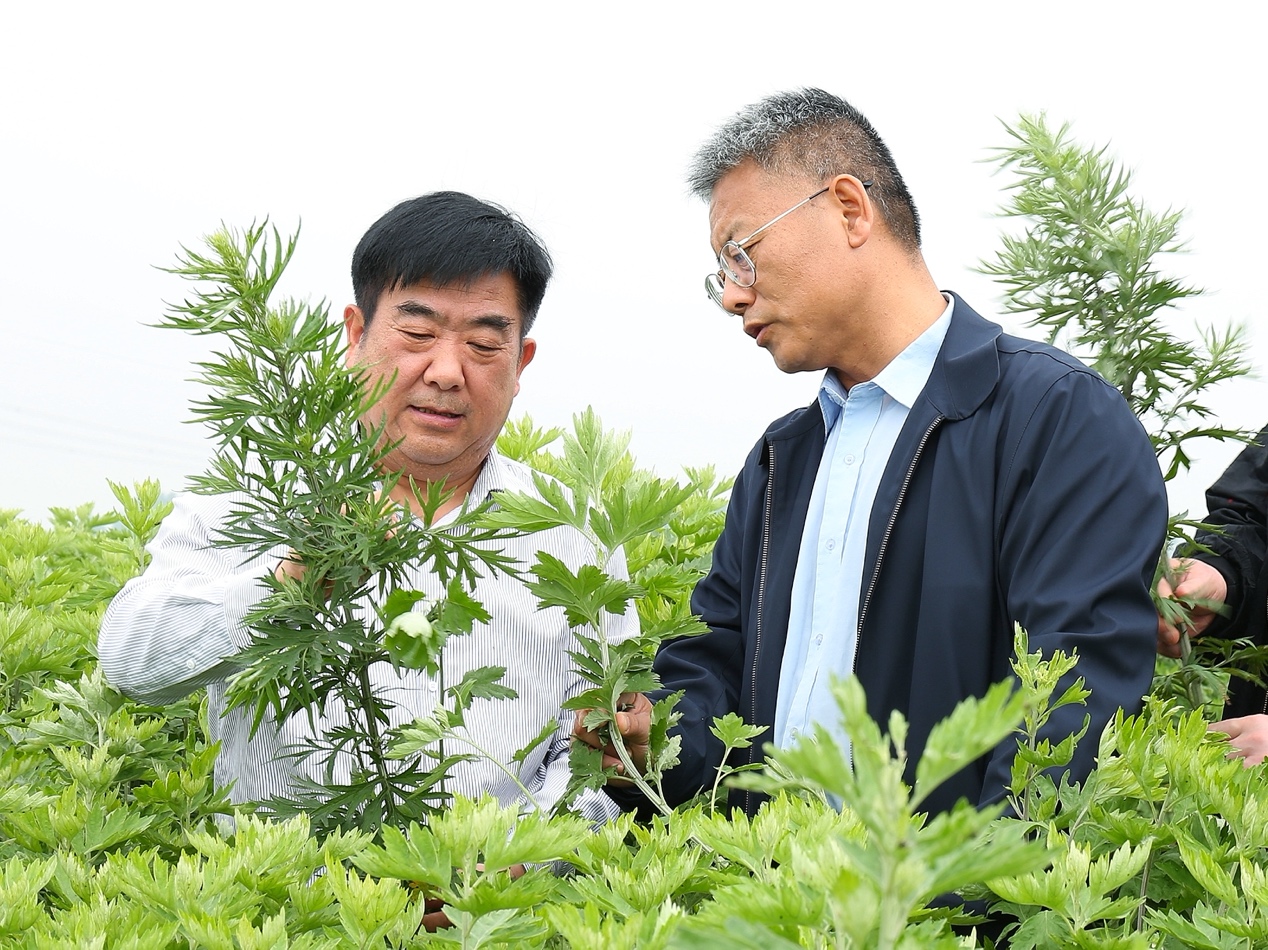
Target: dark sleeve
[(707, 668), (1236, 510), (1084, 521)]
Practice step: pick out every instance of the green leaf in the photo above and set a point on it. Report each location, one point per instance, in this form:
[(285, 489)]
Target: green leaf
[(400, 601), (734, 732), (480, 683), (412, 855), (583, 594), (974, 727)]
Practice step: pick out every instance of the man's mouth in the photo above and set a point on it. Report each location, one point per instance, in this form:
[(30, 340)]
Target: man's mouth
[(436, 414), (755, 330)]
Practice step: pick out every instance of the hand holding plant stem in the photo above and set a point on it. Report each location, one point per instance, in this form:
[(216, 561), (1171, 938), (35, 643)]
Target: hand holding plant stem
[(1191, 593), (631, 719), (596, 491)]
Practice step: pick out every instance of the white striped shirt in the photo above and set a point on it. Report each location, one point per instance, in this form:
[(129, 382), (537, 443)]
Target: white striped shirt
[(179, 625)]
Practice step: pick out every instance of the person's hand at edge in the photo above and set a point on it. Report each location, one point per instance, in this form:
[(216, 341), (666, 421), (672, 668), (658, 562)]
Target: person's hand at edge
[(1195, 580), (1247, 737)]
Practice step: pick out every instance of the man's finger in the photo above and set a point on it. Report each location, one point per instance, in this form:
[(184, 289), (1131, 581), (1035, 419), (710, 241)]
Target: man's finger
[(1230, 727)]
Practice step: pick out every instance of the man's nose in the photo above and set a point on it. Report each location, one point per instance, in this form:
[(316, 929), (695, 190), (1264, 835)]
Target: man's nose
[(444, 367), (736, 299)]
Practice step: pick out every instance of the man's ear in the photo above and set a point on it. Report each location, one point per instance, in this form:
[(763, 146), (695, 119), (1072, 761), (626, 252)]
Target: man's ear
[(858, 214), (528, 349), (354, 325)]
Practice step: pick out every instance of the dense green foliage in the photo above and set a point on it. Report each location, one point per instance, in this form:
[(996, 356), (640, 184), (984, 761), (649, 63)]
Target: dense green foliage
[(109, 837), (306, 477), (1087, 270)]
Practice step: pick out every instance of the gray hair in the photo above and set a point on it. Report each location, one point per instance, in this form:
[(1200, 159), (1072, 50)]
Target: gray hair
[(812, 133)]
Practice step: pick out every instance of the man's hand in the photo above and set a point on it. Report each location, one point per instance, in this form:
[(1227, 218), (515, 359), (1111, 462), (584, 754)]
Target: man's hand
[(289, 568), (1196, 580), (292, 566), (634, 721), (1248, 736)]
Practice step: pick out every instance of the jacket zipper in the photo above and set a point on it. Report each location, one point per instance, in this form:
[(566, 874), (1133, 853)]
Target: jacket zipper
[(889, 530), (761, 595)]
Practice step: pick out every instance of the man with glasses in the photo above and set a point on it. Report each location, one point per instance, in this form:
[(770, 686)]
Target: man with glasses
[(949, 481)]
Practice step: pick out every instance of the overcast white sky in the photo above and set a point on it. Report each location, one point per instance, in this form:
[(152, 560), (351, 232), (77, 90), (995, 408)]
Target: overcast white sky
[(129, 129)]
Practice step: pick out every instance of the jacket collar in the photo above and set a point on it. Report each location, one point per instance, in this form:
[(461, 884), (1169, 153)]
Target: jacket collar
[(964, 374), (967, 368)]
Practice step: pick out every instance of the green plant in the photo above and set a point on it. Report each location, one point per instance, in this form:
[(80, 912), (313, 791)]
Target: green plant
[(307, 478), (1086, 269), (595, 489), (109, 819)]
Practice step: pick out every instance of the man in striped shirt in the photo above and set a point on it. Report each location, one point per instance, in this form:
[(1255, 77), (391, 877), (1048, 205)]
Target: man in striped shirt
[(447, 288)]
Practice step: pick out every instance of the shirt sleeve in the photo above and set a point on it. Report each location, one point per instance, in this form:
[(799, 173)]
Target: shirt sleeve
[(1083, 518), (178, 625)]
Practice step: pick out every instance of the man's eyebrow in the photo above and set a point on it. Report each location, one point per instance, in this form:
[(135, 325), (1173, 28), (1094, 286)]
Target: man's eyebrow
[(416, 308), (494, 321), (412, 308)]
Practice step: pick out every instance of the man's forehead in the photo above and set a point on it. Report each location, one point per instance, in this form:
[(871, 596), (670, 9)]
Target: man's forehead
[(742, 198)]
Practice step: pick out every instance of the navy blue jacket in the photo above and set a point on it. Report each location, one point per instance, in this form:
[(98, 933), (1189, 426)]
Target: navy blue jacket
[(1021, 488)]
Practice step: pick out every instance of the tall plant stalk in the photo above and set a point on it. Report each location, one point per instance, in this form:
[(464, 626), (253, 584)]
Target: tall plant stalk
[(593, 488), (307, 479)]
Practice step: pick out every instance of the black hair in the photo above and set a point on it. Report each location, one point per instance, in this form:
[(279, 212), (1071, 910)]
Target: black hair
[(448, 237)]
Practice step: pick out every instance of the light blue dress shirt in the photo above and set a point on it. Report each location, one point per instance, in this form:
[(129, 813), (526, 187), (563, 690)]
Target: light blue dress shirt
[(862, 425)]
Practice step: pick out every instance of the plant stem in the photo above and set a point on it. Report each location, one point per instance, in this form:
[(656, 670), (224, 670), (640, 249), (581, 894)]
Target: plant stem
[(1192, 684), (631, 771), (497, 760), (374, 747)]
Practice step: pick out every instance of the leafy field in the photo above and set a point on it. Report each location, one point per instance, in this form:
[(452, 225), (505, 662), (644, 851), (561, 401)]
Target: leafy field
[(109, 835)]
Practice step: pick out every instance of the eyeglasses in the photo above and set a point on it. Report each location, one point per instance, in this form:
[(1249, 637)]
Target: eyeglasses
[(734, 262)]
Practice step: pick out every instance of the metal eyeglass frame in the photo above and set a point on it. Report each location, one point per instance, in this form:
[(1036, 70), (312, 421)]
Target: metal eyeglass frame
[(734, 251)]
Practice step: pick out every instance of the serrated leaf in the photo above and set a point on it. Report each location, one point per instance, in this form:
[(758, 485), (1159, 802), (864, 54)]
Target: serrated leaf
[(412, 855), (583, 594), (734, 732), (400, 601)]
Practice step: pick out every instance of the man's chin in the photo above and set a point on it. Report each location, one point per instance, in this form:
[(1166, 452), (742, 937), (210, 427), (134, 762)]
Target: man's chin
[(789, 363)]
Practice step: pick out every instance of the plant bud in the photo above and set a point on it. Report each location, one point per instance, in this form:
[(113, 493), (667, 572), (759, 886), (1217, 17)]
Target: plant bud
[(412, 642)]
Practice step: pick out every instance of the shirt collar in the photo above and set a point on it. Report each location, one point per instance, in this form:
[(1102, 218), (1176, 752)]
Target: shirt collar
[(494, 477), (497, 474), (902, 379)]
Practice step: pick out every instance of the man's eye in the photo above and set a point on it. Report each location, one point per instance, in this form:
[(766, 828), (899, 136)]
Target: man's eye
[(417, 337), (484, 347)]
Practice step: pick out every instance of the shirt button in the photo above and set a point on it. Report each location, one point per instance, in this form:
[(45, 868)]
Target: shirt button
[(831, 544), (849, 460), (818, 639), (431, 685)]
